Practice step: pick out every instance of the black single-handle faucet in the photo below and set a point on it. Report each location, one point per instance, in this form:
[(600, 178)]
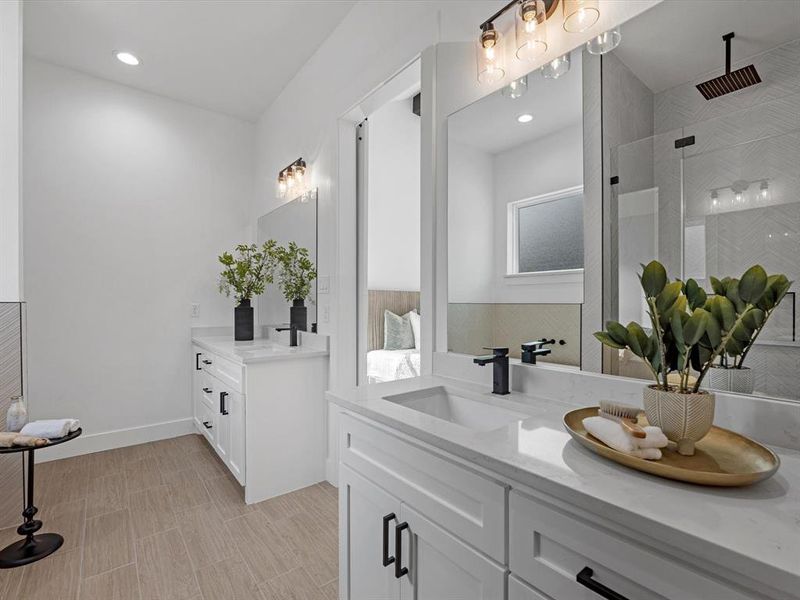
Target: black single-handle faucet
[(530, 350), (292, 333), (499, 357)]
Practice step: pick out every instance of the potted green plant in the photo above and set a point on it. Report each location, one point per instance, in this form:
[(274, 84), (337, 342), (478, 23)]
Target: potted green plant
[(246, 272), (688, 332), (730, 373), (295, 273)]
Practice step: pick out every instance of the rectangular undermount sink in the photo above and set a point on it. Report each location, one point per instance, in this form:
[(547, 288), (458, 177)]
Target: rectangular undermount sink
[(444, 404)]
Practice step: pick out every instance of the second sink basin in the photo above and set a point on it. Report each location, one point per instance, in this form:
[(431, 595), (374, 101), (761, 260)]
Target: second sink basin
[(444, 404)]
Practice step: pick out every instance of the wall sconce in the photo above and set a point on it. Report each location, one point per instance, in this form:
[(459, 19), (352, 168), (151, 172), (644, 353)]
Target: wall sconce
[(292, 179), (530, 25)]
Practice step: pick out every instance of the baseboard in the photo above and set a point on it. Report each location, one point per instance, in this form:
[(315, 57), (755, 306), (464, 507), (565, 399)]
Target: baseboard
[(119, 438)]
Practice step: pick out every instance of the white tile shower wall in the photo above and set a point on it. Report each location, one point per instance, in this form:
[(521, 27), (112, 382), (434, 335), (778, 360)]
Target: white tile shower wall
[(751, 135)]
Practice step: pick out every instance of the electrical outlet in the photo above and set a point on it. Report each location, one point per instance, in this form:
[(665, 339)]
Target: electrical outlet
[(326, 314), (324, 285), (195, 310)]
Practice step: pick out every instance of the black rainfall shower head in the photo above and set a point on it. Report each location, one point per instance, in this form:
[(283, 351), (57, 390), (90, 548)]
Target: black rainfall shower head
[(731, 81)]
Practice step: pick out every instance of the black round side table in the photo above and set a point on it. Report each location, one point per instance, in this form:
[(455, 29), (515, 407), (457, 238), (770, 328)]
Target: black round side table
[(33, 547)]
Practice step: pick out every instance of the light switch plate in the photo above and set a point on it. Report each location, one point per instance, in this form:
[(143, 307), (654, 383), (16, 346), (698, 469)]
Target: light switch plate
[(195, 310), (326, 314), (324, 285)]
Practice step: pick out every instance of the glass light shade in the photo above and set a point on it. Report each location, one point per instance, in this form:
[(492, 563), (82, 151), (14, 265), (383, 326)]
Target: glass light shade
[(298, 172), (531, 30), (491, 56), (556, 67), (289, 180), (281, 185), (516, 89), (605, 42), (580, 15), (763, 191)]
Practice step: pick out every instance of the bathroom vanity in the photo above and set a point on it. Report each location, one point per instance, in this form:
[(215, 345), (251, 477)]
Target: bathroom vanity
[(260, 405), (447, 491)]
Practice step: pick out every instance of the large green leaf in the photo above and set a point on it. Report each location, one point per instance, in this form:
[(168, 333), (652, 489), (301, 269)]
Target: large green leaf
[(732, 294), (608, 340), (695, 294), (742, 333), (617, 332), (700, 356), (752, 284), (695, 327), (734, 347), (676, 323), (717, 286), (713, 331), (753, 318), (653, 279), (669, 294), (637, 340), (723, 312)]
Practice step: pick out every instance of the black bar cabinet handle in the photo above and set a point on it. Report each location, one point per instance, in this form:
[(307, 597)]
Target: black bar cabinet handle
[(207, 390), (222, 396), (585, 579), (399, 570), (206, 362), (207, 426), (387, 560), (197, 366)]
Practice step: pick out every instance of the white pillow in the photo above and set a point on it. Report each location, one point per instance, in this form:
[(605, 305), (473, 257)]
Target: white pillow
[(413, 316)]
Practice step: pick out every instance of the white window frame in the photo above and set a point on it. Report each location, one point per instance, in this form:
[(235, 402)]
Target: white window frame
[(513, 276)]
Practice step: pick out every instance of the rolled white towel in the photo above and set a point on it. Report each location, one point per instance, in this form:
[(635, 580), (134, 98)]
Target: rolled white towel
[(610, 433), (614, 436), (655, 438), (48, 428)]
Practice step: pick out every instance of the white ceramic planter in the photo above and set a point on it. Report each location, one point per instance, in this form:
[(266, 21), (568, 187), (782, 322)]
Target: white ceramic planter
[(684, 418), (730, 380)]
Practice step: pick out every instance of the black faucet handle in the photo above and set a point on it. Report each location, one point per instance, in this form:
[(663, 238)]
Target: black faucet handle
[(528, 346), (497, 350)]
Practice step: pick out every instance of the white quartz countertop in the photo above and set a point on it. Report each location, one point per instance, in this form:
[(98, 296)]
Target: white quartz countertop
[(753, 531), (258, 350)]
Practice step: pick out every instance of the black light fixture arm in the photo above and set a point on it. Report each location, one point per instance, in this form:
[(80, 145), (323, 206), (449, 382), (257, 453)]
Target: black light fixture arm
[(498, 14), (728, 37)]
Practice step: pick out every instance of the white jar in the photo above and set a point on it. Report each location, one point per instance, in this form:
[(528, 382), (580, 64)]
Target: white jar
[(17, 415)]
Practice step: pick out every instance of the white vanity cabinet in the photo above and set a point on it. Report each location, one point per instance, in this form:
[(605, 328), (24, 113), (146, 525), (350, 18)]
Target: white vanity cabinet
[(402, 512), (419, 524), (261, 407)]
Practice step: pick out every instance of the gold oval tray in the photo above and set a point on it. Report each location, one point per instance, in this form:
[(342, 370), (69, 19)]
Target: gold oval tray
[(722, 457)]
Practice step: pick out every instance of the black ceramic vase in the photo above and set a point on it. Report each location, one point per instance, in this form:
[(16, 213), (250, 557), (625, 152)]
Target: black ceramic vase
[(243, 321), (298, 314)]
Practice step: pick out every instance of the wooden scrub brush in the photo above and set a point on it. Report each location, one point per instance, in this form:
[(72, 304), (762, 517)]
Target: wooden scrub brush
[(625, 415)]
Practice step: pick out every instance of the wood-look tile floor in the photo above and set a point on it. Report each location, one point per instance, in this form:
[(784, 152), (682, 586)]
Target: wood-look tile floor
[(167, 521)]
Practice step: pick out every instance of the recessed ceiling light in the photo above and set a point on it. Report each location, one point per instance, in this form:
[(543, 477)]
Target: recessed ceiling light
[(128, 58), (525, 118)]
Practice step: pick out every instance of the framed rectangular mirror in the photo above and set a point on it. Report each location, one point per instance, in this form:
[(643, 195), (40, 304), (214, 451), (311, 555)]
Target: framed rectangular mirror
[(295, 221)]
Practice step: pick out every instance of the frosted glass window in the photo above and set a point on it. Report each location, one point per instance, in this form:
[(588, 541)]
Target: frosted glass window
[(550, 235)]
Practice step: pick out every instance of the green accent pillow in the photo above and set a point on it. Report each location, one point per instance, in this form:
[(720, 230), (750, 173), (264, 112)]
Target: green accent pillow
[(397, 332)]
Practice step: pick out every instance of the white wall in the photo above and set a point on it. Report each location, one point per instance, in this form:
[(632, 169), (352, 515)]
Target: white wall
[(128, 198), (10, 174), (470, 221), (547, 164), (393, 228)]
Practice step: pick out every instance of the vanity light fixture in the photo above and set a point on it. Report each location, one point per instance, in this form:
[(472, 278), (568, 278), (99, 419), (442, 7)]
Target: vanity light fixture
[(292, 179), (763, 190), (127, 58), (491, 51), (517, 88), (525, 118), (556, 67), (714, 199), (580, 15), (530, 28), (605, 42)]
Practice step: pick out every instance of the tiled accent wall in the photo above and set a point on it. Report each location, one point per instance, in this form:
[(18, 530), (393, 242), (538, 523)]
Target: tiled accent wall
[(470, 327), (10, 385)]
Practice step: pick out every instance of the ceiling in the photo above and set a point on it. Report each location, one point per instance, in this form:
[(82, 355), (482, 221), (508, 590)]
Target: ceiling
[(491, 123), (231, 56), (678, 41)]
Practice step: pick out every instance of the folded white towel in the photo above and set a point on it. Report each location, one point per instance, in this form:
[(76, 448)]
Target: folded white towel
[(613, 435), (50, 428), (655, 438)]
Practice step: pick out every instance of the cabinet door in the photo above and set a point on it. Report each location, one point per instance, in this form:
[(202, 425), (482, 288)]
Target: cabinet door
[(363, 539), (222, 439), (442, 567), (234, 406)]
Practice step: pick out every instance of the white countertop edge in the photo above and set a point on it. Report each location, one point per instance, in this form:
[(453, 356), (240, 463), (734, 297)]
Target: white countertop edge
[(746, 568), (298, 352)]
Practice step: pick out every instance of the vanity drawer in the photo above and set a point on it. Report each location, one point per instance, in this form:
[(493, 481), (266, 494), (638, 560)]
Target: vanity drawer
[(459, 500), (208, 386), (519, 590), (207, 423), (548, 547)]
